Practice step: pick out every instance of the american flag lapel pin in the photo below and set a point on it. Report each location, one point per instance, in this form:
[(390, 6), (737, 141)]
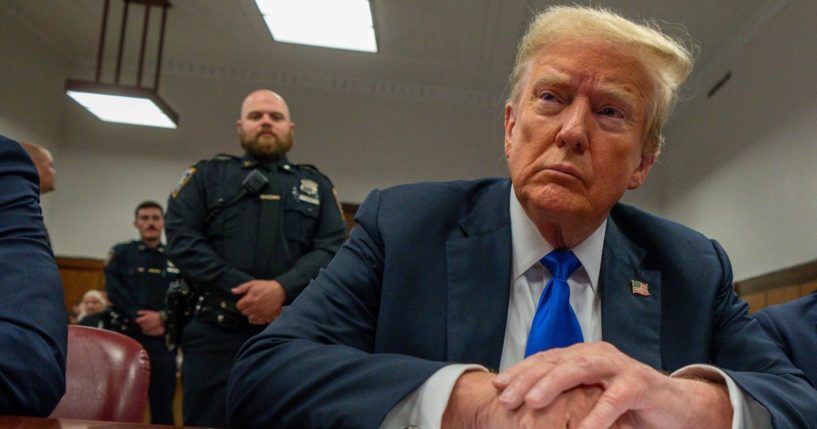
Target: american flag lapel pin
[(640, 288)]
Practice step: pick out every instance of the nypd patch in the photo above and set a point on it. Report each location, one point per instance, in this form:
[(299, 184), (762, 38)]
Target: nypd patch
[(185, 178)]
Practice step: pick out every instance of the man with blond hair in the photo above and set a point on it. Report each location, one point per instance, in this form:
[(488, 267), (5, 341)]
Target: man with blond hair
[(248, 233), (595, 313)]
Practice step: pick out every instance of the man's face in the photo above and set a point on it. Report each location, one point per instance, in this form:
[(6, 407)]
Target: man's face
[(150, 222), (92, 305), (264, 129), (45, 168), (574, 138)]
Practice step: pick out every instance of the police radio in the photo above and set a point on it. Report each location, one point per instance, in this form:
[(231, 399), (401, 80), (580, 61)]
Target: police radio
[(251, 185)]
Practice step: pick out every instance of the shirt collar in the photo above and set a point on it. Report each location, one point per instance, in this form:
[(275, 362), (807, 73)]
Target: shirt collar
[(529, 247), (251, 161), (142, 247)]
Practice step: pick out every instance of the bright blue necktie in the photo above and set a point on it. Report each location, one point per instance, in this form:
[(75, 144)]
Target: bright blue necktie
[(555, 323)]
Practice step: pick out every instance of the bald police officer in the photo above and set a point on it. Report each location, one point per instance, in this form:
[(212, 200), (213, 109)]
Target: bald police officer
[(247, 234)]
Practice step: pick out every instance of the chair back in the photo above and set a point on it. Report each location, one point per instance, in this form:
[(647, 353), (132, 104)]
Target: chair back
[(107, 377)]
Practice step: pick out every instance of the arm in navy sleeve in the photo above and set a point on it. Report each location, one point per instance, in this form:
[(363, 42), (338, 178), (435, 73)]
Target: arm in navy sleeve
[(33, 330), (755, 363), (187, 245), (329, 236), (316, 360), (119, 294)]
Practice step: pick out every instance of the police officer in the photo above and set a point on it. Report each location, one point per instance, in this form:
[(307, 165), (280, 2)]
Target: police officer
[(248, 234), (137, 276)]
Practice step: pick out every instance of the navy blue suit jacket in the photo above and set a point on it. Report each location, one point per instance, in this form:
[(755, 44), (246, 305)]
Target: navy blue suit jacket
[(425, 281), (33, 332), (793, 326)]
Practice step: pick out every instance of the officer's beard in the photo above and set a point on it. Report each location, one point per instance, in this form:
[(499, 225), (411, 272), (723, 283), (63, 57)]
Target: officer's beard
[(265, 146)]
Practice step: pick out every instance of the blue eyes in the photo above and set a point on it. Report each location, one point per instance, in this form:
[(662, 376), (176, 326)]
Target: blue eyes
[(607, 111)]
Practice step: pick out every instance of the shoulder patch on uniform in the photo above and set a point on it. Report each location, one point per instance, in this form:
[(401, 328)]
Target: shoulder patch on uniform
[(183, 181)]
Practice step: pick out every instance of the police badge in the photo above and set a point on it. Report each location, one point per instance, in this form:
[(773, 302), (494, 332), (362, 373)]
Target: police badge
[(309, 192)]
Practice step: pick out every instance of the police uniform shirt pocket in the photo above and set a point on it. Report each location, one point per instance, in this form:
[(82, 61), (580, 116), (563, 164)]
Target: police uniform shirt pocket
[(300, 219)]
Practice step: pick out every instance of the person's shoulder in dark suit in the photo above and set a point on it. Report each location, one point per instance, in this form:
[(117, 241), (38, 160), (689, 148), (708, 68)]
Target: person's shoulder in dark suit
[(33, 319), (793, 326)]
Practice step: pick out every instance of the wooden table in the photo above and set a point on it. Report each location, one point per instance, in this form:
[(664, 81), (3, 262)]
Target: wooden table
[(18, 422)]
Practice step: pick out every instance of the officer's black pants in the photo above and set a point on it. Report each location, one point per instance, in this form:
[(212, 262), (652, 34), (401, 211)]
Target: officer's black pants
[(162, 379), (209, 351)]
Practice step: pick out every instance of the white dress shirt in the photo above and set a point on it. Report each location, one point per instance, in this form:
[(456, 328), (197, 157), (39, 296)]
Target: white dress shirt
[(425, 406)]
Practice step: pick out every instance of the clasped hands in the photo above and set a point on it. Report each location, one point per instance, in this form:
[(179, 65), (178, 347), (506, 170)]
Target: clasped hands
[(150, 323), (262, 300), (587, 385)]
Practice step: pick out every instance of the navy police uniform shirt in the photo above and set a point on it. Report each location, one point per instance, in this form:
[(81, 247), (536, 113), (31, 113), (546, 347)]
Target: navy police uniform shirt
[(223, 232), (137, 277)]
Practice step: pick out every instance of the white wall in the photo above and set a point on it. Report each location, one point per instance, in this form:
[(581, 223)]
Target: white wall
[(742, 166), (31, 85), (360, 141)]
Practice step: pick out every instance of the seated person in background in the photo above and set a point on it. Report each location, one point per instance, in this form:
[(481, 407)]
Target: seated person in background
[(33, 331), (793, 326), (92, 308), (584, 304)]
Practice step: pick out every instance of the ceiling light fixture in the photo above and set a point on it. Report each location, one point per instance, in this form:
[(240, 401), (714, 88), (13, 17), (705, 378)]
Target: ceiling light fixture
[(340, 24), (115, 102)]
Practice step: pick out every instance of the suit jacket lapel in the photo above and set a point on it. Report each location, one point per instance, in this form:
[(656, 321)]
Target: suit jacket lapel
[(630, 321), (479, 270)]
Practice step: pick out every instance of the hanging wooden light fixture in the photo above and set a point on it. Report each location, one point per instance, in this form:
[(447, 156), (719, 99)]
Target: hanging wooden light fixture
[(116, 102)]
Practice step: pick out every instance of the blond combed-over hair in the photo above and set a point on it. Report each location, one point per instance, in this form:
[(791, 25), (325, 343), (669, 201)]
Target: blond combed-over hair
[(665, 59)]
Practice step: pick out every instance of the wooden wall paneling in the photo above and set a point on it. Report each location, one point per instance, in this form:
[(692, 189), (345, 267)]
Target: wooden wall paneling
[(782, 294), (78, 276), (779, 286), (349, 210), (756, 301), (808, 287)]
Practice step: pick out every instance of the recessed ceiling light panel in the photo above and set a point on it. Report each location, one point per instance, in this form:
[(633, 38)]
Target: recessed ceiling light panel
[(340, 24)]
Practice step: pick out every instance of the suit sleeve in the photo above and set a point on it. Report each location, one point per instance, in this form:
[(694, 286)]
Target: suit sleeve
[(120, 296), (317, 359), (329, 236), (755, 363), (770, 327), (33, 332), (187, 244)]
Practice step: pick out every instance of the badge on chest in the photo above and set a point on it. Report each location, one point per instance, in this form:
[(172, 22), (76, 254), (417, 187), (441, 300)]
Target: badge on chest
[(308, 192)]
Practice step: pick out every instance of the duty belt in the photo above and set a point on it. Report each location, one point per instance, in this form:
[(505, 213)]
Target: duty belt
[(220, 310)]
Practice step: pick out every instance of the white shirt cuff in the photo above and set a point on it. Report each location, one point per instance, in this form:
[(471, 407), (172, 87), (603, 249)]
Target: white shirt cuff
[(746, 412), (424, 408)]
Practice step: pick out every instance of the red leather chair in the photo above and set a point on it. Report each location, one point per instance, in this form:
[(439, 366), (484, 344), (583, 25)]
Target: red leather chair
[(107, 376)]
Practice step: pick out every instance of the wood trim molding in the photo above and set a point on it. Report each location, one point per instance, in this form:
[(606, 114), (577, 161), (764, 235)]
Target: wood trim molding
[(788, 276), (79, 263)]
